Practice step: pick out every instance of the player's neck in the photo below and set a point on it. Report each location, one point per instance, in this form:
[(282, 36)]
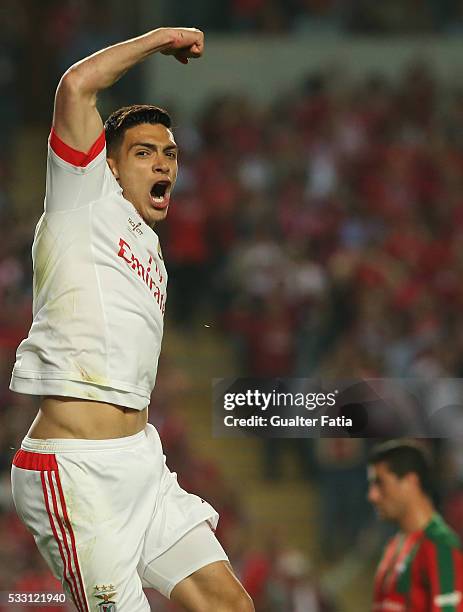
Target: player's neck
[(418, 515)]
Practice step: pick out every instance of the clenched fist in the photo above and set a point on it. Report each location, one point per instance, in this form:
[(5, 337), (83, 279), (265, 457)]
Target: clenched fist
[(183, 43)]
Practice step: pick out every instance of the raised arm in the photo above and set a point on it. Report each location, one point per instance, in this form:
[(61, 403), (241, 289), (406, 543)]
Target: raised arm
[(76, 119)]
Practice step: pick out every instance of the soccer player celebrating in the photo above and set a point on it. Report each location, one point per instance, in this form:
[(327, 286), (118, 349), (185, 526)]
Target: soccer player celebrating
[(90, 481), (422, 566)]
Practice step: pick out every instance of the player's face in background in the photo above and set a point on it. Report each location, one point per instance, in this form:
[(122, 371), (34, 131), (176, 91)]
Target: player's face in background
[(388, 493), (145, 165)]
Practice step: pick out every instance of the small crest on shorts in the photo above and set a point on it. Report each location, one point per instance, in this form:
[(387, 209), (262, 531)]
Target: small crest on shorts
[(106, 593)]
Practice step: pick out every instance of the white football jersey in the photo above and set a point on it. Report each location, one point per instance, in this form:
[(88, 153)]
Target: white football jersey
[(99, 288)]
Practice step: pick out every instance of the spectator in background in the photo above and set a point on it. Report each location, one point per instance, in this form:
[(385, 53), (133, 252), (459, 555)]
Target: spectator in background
[(422, 565), (340, 467), (294, 586), (360, 16), (12, 26)]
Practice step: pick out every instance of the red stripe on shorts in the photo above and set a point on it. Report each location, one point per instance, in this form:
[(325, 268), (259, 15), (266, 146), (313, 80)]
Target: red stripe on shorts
[(73, 541), (46, 463), (72, 156), (40, 462), (72, 587), (77, 595)]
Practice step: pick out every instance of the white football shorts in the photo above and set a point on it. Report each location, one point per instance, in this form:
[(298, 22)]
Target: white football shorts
[(110, 518)]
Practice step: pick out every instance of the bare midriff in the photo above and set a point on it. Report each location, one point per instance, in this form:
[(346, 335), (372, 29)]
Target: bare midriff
[(67, 417)]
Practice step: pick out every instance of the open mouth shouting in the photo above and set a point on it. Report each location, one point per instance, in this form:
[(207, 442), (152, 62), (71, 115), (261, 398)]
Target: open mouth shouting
[(160, 194)]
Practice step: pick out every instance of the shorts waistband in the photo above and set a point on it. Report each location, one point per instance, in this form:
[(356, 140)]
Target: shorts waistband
[(64, 445)]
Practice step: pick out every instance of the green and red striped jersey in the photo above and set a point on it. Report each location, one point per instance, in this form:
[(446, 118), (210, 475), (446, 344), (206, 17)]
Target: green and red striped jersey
[(421, 572)]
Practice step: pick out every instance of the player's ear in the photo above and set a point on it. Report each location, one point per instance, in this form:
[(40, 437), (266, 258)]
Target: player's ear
[(113, 167), (413, 479)]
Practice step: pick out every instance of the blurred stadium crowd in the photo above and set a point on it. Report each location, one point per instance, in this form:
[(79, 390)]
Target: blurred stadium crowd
[(327, 228), (329, 16), (320, 235)]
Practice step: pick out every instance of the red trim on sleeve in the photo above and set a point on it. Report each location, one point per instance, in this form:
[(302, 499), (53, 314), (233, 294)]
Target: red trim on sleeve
[(34, 461), (72, 156)]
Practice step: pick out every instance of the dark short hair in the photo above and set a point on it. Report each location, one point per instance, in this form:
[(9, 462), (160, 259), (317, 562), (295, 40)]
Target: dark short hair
[(129, 116), (403, 457)]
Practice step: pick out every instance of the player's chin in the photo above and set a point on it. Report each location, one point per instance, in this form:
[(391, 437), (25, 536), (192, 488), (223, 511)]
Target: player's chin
[(385, 515), (381, 513), (159, 214)]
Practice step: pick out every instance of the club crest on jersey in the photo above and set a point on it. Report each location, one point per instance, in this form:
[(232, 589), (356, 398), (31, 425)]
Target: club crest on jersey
[(135, 227), (106, 593)]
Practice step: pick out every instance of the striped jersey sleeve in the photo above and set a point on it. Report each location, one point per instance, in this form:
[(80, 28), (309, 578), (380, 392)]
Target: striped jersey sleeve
[(439, 567), (421, 572)]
